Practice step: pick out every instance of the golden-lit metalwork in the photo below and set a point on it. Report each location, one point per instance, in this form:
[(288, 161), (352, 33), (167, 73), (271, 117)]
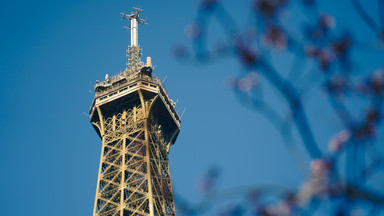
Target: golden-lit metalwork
[(137, 122)]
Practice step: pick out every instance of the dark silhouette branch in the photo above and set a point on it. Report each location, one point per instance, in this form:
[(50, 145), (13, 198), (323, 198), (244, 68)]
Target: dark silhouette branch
[(367, 19), (344, 173), (296, 108)]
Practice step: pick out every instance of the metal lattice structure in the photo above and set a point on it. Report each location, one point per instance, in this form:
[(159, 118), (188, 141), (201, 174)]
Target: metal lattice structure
[(137, 123), (133, 54)]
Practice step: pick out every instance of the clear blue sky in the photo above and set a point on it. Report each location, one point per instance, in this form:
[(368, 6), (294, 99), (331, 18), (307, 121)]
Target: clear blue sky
[(51, 54)]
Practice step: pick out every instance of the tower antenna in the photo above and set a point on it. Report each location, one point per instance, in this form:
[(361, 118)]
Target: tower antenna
[(134, 51), (134, 17)]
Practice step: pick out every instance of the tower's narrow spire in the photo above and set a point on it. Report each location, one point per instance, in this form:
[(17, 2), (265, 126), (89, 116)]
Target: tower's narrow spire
[(135, 19), (134, 51)]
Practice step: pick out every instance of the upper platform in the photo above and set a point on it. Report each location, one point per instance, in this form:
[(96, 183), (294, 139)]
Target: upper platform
[(123, 85)]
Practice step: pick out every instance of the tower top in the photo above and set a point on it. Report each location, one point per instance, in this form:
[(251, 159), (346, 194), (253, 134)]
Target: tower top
[(135, 19)]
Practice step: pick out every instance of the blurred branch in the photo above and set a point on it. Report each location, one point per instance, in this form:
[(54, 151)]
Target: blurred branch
[(342, 113), (283, 126), (367, 19), (296, 108), (270, 190), (297, 67), (341, 175), (380, 8)]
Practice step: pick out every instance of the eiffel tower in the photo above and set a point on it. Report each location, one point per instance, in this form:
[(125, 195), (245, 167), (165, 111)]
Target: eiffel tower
[(137, 123)]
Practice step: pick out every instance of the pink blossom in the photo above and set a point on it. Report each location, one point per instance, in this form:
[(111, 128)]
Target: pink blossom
[(192, 31), (338, 141), (320, 166)]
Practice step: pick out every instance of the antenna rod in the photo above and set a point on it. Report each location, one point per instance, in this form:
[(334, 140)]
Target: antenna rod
[(135, 19), (134, 32), (134, 51)]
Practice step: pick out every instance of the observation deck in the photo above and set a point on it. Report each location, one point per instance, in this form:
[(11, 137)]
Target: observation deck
[(121, 90)]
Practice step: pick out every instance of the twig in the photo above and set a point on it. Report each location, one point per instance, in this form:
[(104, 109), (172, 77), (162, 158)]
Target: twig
[(366, 18)]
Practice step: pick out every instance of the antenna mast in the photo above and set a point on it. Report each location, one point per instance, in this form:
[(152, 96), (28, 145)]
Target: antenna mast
[(135, 19), (134, 51)]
